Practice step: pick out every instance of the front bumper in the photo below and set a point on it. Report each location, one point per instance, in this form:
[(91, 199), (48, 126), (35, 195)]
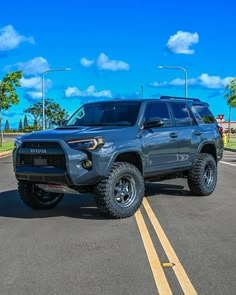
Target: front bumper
[(66, 170)]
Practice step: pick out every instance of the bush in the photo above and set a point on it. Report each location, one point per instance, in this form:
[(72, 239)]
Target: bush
[(31, 129)]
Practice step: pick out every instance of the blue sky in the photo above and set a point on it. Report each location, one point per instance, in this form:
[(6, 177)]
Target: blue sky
[(114, 47)]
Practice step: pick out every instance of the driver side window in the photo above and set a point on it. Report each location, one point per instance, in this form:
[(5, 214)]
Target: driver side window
[(158, 110)]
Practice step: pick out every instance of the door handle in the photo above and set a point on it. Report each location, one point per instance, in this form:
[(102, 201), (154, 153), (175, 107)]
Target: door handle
[(173, 135), (197, 132)]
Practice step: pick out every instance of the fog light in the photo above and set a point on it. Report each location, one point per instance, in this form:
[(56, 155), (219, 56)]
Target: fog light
[(87, 164)]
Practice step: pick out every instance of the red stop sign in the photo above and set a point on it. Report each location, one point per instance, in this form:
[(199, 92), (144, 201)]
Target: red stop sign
[(221, 117)]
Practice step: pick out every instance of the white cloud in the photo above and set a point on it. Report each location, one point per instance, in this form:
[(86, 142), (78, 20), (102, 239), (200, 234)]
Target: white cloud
[(104, 63), (204, 80), (181, 41), (35, 83), (34, 66), (35, 95), (213, 81), (178, 82), (157, 84), (10, 38), (89, 92), (86, 62)]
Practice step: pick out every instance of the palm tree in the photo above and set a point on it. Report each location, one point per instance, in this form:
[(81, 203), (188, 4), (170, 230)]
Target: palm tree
[(231, 100)]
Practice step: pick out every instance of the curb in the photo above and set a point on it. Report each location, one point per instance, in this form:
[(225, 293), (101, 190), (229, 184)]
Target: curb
[(230, 150), (7, 153)]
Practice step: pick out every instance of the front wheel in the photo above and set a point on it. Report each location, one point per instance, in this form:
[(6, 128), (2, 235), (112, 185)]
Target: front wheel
[(203, 176), (121, 193), (36, 198)]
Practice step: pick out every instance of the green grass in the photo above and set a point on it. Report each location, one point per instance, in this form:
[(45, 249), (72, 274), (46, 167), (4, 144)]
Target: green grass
[(6, 146), (231, 143)]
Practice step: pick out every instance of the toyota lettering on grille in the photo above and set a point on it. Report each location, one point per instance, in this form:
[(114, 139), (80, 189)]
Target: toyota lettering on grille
[(38, 151)]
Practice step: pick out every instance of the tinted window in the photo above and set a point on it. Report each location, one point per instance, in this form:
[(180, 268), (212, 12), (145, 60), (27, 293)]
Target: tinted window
[(203, 114), (181, 114), (158, 110), (105, 114)]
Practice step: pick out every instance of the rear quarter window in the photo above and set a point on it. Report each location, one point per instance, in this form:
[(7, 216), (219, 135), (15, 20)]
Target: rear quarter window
[(202, 114)]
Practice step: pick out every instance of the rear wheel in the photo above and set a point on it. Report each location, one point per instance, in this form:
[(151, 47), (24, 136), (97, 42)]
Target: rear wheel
[(203, 177), (36, 198), (121, 193)]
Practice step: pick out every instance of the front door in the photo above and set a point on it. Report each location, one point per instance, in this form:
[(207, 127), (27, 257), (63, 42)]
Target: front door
[(160, 144)]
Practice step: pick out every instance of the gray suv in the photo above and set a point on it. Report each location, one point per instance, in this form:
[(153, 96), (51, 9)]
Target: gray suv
[(111, 147)]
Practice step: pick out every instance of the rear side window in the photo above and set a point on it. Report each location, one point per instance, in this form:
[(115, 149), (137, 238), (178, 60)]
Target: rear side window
[(181, 114), (160, 110), (202, 114)]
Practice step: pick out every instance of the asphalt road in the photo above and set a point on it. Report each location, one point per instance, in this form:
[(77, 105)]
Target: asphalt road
[(72, 249)]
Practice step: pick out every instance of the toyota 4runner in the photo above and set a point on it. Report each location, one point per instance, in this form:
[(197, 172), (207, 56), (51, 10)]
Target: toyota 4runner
[(111, 147)]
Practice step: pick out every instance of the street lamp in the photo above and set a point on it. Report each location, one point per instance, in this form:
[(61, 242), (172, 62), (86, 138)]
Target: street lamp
[(1, 132), (141, 86), (43, 99), (185, 75)]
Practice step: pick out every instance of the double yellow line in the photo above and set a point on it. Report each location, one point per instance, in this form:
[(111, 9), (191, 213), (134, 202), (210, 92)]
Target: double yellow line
[(162, 284)]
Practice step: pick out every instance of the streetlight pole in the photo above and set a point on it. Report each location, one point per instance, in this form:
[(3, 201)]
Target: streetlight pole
[(1, 99), (141, 86), (185, 75), (43, 98)]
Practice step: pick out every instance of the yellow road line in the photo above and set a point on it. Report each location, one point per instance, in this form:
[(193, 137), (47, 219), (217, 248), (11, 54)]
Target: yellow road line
[(180, 273), (157, 270)]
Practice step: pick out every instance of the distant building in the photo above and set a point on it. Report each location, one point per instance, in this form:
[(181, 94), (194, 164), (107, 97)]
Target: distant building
[(225, 125)]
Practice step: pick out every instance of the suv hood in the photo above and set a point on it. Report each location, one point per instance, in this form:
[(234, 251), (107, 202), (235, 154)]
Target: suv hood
[(65, 133)]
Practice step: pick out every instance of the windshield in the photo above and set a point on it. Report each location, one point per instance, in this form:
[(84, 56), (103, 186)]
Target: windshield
[(105, 114)]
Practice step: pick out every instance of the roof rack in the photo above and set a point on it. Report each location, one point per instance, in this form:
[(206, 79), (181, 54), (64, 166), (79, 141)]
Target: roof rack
[(178, 97)]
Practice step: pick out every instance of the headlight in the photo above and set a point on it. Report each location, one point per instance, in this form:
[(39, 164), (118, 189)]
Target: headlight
[(89, 144), (17, 142)]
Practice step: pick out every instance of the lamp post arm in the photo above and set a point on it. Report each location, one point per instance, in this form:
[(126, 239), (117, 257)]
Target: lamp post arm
[(185, 76)]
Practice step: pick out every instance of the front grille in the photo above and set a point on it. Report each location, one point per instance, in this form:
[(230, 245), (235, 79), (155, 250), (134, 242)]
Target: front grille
[(53, 156), (57, 161), (36, 144)]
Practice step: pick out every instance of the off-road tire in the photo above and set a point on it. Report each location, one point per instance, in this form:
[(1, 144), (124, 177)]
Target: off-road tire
[(202, 177), (121, 193), (36, 198)]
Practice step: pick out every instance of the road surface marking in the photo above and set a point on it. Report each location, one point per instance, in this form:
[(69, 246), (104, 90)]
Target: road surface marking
[(157, 270), (228, 163), (180, 273)]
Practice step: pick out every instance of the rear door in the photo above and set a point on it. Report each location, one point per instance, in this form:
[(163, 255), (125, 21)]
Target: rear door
[(187, 132)]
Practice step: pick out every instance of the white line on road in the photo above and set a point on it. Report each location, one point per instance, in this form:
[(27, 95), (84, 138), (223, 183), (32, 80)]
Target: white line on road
[(228, 163)]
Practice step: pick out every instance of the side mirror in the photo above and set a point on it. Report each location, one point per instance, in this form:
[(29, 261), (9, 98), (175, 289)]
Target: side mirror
[(62, 122), (154, 122)]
